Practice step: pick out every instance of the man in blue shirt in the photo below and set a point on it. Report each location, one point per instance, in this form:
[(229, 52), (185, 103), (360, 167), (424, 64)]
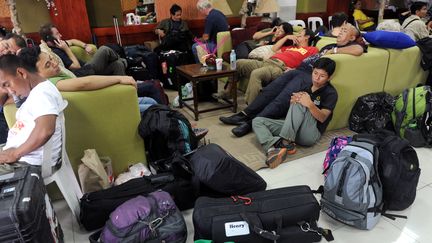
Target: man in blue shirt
[(215, 22)]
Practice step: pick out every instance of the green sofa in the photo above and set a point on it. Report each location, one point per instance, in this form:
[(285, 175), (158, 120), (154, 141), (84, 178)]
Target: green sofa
[(106, 120), (380, 69)]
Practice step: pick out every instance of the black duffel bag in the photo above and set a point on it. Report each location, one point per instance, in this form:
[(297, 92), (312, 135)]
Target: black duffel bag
[(281, 215), (97, 206), (223, 174)]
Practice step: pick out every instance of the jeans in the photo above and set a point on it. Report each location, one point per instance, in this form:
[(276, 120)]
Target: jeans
[(274, 100), (145, 102)]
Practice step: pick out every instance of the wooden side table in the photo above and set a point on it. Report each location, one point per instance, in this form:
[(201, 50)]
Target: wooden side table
[(197, 73)]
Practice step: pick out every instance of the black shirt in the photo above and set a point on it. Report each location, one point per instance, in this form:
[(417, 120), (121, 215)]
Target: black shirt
[(324, 98), (64, 57)]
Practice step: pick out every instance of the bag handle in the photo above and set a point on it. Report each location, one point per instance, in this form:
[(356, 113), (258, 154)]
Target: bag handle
[(270, 235)]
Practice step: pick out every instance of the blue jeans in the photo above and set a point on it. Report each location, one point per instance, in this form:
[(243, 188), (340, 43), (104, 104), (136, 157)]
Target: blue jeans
[(210, 47), (145, 102)]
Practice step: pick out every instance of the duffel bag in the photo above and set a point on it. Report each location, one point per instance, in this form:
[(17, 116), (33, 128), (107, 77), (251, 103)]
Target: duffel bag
[(281, 215), (154, 218), (97, 206), (224, 174)]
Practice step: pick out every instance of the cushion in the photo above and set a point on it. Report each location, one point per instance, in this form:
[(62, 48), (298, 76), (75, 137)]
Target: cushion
[(389, 39), (262, 52)]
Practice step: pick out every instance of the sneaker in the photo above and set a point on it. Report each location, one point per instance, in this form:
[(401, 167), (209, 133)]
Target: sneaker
[(290, 146), (200, 132), (275, 156), (236, 119)]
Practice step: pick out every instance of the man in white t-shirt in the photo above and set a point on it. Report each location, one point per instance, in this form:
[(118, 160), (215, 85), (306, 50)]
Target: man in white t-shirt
[(36, 119)]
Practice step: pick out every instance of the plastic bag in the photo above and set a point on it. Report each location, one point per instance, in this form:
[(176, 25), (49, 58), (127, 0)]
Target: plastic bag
[(372, 112), (135, 171), (95, 173)]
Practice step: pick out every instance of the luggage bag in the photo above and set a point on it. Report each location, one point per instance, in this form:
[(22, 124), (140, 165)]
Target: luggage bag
[(223, 174), (97, 206), (280, 215), (26, 213), (154, 218)]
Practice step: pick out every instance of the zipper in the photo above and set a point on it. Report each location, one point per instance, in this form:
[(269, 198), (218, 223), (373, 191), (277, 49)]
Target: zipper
[(278, 196)]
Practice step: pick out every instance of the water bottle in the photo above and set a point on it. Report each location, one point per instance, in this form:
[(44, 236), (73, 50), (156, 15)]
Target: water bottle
[(233, 59)]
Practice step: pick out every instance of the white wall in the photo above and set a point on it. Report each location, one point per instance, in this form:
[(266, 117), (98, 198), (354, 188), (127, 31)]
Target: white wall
[(287, 9)]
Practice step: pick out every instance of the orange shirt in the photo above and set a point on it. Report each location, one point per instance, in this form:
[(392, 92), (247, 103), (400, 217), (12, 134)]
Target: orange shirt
[(292, 56)]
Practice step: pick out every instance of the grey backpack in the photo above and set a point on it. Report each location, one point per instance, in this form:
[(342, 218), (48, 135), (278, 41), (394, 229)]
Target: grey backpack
[(352, 190)]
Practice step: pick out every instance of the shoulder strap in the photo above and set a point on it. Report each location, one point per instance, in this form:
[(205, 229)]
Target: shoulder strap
[(410, 23), (414, 105), (401, 114)]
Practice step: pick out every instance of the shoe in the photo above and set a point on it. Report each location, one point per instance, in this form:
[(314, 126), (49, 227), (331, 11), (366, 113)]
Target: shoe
[(242, 130), (236, 119), (200, 132), (290, 146), (222, 95), (275, 156)]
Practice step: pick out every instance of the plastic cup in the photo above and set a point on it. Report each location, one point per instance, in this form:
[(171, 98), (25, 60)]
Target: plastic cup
[(219, 64)]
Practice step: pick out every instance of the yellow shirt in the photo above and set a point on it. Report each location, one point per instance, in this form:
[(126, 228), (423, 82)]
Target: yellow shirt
[(359, 15)]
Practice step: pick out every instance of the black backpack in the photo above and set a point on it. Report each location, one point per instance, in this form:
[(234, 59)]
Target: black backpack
[(398, 168), (166, 131)]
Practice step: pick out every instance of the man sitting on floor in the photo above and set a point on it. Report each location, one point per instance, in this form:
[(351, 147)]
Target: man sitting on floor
[(105, 61), (36, 118), (286, 58), (307, 118), (272, 102)]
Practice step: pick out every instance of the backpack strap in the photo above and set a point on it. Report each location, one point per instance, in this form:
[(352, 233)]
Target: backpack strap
[(401, 114), (410, 23), (414, 104)]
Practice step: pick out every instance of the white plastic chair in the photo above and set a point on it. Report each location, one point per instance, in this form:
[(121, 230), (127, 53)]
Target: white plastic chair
[(64, 177), (297, 22), (315, 22), (329, 22)]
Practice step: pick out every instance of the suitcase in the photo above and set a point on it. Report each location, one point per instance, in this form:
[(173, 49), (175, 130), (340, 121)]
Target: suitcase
[(222, 173), (97, 206), (281, 215), (169, 61), (26, 213), (140, 56)]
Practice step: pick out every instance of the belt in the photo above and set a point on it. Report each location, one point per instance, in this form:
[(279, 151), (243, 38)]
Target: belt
[(277, 62)]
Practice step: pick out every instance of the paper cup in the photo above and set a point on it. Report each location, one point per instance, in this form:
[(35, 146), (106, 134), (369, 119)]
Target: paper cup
[(219, 63)]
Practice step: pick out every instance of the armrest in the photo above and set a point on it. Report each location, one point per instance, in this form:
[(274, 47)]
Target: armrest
[(81, 54)]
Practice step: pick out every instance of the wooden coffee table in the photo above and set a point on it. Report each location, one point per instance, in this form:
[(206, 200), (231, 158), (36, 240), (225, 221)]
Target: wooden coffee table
[(196, 73)]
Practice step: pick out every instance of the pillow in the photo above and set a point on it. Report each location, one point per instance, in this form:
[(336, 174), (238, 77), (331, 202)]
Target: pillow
[(389, 39), (262, 52)]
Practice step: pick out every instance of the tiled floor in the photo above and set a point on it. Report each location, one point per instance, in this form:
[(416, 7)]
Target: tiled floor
[(417, 228)]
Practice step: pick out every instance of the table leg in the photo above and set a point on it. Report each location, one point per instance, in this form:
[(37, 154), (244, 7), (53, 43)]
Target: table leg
[(195, 98), (234, 92), (179, 89)]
